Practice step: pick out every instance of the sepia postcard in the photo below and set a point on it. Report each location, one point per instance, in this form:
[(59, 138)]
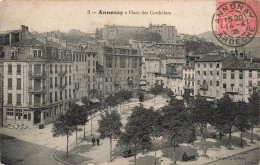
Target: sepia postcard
[(123, 82)]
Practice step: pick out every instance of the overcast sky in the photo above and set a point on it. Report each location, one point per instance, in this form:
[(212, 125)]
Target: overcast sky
[(192, 17)]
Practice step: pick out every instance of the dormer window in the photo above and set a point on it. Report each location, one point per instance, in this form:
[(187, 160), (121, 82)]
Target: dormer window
[(14, 54), (37, 53)]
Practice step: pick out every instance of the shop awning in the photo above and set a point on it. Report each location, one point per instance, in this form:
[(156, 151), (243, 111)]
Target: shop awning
[(94, 100), (80, 103)]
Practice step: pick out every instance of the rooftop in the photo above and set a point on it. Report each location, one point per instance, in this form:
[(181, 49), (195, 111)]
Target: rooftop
[(212, 58), (242, 65)]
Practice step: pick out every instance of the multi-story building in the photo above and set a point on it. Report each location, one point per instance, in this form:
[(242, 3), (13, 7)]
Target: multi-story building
[(208, 74), (153, 65), (173, 82), (168, 33), (38, 83), (122, 67), (240, 80), (188, 79), (112, 31), (84, 63)]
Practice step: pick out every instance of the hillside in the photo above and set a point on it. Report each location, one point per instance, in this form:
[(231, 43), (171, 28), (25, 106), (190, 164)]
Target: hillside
[(252, 47)]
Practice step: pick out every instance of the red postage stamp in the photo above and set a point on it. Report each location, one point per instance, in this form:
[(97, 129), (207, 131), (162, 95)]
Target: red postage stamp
[(235, 23)]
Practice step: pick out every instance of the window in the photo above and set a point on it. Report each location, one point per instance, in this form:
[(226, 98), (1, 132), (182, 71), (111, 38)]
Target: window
[(60, 95), (18, 99), (14, 54), (18, 114), (56, 82), (258, 74), (18, 86), (51, 69), (37, 53), (18, 70), (217, 83), (70, 68), (9, 113), (258, 83), (232, 75), (198, 72), (51, 85), (217, 73), (224, 75), (56, 96), (210, 83), (122, 62), (69, 80), (240, 74), (205, 65), (66, 80), (108, 62), (198, 82), (250, 74), (66, 96), (29, 116), (224, 85), (69, 93), (217, 65), (250, 83), (205, 73), (135, 63), (10, 69), (56, 68), (198, 65), (10, 83), (9, 99), (210, 65)]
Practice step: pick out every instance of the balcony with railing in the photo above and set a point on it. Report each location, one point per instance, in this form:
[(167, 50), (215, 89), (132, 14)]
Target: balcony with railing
[(37, 90), (62, 73), (37, 74), (37, 105), (232, 90), (188, 87), (204, 86)]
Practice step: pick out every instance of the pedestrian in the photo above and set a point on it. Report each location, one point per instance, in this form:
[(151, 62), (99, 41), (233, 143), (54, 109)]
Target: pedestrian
[(98, 141), (93, 141)]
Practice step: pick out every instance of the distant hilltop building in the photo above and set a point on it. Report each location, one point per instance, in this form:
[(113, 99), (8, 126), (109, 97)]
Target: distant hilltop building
[(167, 32), (112, 31)]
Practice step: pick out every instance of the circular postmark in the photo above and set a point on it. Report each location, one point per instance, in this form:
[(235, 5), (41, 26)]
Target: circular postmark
[(234, 24)]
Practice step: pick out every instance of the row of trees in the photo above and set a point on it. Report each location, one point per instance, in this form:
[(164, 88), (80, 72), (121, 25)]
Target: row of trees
[(69, 122), (177, 123)]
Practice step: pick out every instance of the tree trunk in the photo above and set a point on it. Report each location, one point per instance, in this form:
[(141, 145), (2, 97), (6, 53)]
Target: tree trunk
[(135, 154), (220, 135), (76, 135), (155, 157), (241, 139), (91, 122), (67, 145), (230, 131), (174, 155), (84, 131), (111, 148), (252, 133)]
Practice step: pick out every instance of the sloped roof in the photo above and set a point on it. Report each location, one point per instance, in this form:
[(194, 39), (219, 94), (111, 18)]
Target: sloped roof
[(29, 42), (242, 65), (212, 58)]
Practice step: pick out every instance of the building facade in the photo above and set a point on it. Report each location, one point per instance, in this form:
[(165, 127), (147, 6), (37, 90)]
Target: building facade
[(167, 32), (208, 75), (240, 80), (188, 79), (38, 82), (122, 68)]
